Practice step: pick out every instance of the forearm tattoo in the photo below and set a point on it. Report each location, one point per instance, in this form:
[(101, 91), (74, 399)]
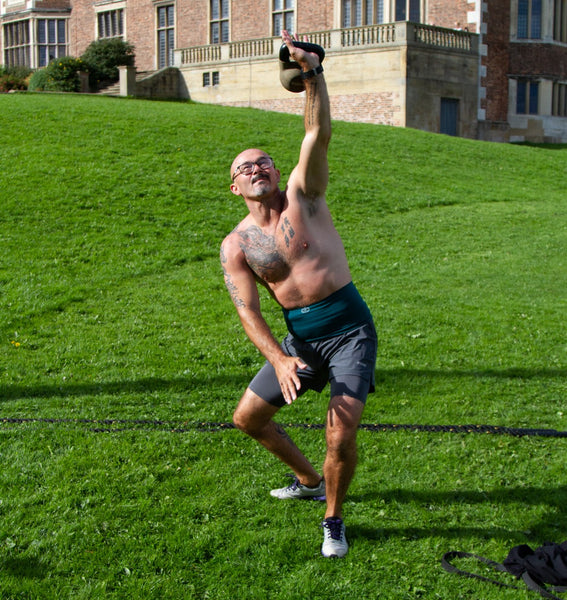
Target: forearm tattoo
[(313, 105), (230, 286)]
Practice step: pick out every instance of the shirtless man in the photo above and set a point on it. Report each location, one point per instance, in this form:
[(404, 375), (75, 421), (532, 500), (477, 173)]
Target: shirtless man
[(288, 244)]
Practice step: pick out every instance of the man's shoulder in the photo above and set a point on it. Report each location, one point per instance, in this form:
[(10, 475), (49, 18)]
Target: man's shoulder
[(230, 241), (235, 233), (231, 247), (298, 197)]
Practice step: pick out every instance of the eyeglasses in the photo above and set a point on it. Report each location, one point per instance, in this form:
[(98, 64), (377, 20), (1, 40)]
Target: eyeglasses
[(247, 168)]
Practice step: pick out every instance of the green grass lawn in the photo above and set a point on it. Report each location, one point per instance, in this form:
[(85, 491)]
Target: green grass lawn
[(117, 339)]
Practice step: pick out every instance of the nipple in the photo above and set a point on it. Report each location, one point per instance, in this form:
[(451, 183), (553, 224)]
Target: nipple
[(305, 245)]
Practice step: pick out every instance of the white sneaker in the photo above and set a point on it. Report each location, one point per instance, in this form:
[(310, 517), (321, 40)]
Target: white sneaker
[(334, 542), (298, 491)]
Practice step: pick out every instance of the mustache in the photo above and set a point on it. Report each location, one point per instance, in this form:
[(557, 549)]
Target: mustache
[(260, 176)]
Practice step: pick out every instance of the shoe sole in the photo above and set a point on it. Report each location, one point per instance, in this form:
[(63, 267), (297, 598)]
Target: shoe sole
[(334, 555), (316, 498)]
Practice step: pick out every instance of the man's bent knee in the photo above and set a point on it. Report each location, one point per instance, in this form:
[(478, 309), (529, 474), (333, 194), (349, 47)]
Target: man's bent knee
[(252, 413)]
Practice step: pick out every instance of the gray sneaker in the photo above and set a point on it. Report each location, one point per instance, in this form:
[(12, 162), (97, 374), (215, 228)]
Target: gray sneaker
[(298, 491), (334, 542)]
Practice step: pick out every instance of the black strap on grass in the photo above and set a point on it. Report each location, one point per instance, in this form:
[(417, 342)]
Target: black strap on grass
[(450, 568), (545, 592), (111, 425), (528, 580)]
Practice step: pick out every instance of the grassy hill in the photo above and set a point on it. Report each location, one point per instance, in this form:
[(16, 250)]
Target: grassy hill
[(117, 331)]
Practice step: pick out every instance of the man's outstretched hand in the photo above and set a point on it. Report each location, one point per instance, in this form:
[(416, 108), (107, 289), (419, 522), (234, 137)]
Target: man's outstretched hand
[(286, 372), (300, 54), (295, 57)]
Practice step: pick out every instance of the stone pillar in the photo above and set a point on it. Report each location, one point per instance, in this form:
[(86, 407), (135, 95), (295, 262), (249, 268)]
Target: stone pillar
[(545, 97), (127, 81), (84, 86)]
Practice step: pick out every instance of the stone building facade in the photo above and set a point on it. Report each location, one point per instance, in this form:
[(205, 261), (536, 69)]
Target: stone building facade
[(486, 69)]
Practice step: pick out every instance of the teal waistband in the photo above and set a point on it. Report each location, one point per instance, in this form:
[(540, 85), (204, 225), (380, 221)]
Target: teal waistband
[(340, 312)]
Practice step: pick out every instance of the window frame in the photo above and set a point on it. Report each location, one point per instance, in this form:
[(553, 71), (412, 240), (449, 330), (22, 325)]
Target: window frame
[(359, 13), (111, 28), (527, 97), (560, 21), (283, 16), (211, 78), (48, 44), (559, 99), (407, 10), (17, 51), (219, 22), (529, 20), (165, 34)]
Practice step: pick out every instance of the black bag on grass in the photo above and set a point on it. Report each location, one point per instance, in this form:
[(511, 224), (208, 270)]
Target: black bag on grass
[(545, 566)]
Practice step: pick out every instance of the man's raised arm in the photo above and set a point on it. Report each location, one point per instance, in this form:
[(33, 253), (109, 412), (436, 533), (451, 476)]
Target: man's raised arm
[(311, 174)]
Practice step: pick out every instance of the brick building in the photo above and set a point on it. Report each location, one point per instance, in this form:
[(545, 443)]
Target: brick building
[(487, 69)]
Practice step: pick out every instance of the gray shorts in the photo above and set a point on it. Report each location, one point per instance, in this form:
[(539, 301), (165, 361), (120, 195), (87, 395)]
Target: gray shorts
[(346, 361)]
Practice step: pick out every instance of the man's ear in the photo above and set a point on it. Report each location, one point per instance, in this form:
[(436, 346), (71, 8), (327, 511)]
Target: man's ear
[(234, 189)]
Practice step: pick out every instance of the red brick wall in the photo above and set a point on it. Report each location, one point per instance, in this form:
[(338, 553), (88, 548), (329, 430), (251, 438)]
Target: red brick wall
[(140, 21), (82, 27), (538, 59), (314, 16), (380, 107), (250, 19), (448, 13), (49, 4), (39, 6), (192, 23), (140, 29), (497, 39), (376, 108)]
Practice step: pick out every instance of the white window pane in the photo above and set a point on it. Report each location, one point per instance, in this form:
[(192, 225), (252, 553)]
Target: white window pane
[(289, 22), (278, 21)]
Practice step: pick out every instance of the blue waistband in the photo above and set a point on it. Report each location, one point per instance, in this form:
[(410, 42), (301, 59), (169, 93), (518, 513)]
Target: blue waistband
[(342, 311)]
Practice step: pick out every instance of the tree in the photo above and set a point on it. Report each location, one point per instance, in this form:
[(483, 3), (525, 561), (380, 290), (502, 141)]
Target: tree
[(103, 57)]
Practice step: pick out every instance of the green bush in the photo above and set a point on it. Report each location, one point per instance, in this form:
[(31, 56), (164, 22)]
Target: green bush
[(60, 75), (38, 81), (14, 78), (103, 57)]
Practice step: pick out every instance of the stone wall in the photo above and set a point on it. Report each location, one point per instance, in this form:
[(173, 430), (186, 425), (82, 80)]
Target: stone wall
[(392, 75)]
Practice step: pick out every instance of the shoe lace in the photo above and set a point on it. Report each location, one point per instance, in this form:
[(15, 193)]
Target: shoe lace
[(334, 526), (295, 485)]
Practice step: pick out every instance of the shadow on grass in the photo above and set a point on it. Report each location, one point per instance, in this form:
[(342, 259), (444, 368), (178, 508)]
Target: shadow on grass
[(509, 373), (543, 530), (139, 386), (25, 567), (394, 377)]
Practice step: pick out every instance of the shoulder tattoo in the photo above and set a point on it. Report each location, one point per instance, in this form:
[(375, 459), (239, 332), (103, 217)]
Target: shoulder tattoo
[(262, 254)]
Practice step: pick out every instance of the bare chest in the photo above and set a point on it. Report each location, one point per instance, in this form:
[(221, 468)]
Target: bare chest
[(272, 255)]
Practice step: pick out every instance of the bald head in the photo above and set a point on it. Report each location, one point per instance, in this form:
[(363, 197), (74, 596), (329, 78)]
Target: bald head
[(250, 155)]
